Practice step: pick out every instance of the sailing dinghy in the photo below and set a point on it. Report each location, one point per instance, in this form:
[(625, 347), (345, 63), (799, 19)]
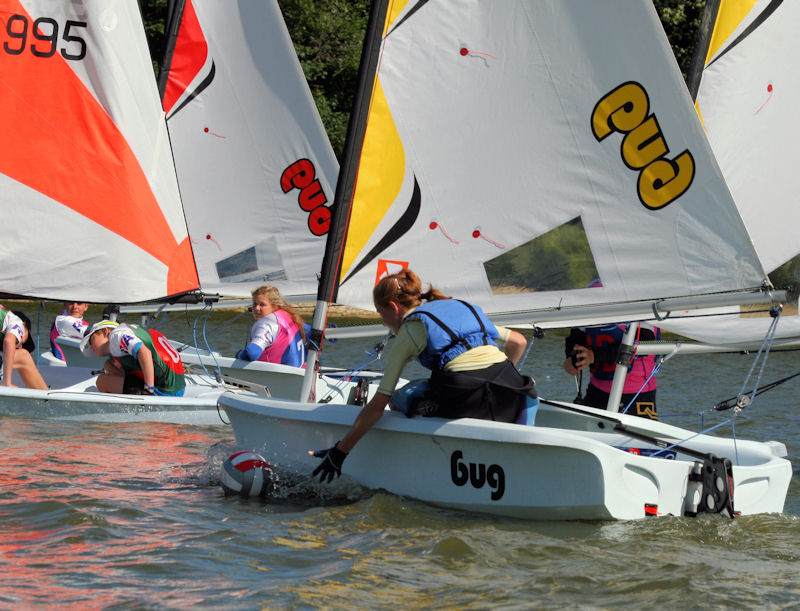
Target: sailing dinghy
[(253, 164), (88, 191), (480, 128), (255, 167)]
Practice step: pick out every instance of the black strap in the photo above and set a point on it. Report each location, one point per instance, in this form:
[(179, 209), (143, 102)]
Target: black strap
[(478, 318), (453, 337)]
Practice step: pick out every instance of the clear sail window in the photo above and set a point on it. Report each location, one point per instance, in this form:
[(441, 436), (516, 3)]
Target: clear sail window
[(558, 260), (259, 263)]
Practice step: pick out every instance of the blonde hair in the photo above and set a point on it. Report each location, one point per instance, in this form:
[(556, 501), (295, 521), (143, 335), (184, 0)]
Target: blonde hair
[(274, 298), (404, 288)]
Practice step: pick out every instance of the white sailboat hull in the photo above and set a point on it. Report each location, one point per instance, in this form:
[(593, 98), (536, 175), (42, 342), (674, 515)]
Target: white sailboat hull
[(277, 380), (566, 467), (73, 395)]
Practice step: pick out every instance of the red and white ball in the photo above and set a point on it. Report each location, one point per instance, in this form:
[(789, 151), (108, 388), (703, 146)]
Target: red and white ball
[(246, 474)]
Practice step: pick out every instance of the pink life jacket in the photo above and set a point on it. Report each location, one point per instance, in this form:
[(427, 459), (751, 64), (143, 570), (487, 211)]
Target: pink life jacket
[(288, 348), (639, 371)]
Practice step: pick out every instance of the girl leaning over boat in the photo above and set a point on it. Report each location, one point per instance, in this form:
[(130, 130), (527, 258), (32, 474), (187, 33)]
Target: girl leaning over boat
[(472, 363), (142, 361)]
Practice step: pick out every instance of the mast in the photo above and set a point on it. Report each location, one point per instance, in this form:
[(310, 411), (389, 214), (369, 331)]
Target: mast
[(621, 372), (702, 42), (345, 187)]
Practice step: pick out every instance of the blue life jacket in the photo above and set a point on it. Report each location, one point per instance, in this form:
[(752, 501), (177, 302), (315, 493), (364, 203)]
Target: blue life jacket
[(467, 327)]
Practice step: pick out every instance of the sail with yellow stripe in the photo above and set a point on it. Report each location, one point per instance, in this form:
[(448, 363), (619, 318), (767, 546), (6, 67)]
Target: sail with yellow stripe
[(747, 83), (515, 151), (255, 167), (90, 201), (747, 99)]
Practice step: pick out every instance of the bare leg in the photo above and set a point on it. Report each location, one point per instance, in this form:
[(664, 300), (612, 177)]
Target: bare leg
[(108, 382), (9, 351), (23, 363)]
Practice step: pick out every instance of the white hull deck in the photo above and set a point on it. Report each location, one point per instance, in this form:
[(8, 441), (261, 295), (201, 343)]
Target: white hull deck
[(568, 466), (278, 380), (73, 395)]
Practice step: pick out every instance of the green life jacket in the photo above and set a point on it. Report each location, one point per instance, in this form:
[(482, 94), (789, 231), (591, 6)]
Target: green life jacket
[(167, 364)]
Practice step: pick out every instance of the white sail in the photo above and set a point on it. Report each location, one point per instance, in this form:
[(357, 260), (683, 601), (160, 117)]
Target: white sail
[(255, 166), (88, 192), (491, 125), (746, 97)]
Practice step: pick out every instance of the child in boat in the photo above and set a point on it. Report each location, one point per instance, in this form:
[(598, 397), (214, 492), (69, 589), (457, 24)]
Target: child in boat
[(142, 360), (472, 362), (17, 348), (278, 335), (69, 323), (597, 348)]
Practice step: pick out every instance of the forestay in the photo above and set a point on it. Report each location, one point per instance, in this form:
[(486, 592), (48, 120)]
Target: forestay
[(492, 124), (255, 166), (88, 191)]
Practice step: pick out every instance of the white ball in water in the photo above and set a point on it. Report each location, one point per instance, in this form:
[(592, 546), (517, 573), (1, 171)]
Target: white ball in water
[(246, 474)]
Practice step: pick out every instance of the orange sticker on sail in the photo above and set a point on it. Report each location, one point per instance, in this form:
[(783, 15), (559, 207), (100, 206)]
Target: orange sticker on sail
[(387, 268)]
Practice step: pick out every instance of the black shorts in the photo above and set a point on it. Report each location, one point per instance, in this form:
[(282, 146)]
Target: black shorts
[(132, 384), (497, 392)]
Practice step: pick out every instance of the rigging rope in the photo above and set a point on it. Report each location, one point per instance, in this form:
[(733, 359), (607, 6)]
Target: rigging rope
[(732, 401), (538, 333), (656, 368), (375, 354), (743, 400), (197, 349)]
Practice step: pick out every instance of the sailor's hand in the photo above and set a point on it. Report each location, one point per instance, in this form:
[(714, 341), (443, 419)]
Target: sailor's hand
[(582, 357), (331, 464), (569, 367)]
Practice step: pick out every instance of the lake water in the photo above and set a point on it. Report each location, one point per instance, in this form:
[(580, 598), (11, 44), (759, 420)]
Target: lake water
[(131, 516)]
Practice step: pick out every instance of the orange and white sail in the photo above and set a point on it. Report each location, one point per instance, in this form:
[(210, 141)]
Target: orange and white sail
[(494, 124), (255, 166), (91, 208)]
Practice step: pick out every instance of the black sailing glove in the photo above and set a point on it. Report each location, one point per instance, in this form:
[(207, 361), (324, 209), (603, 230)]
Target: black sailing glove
[(331, 464)]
